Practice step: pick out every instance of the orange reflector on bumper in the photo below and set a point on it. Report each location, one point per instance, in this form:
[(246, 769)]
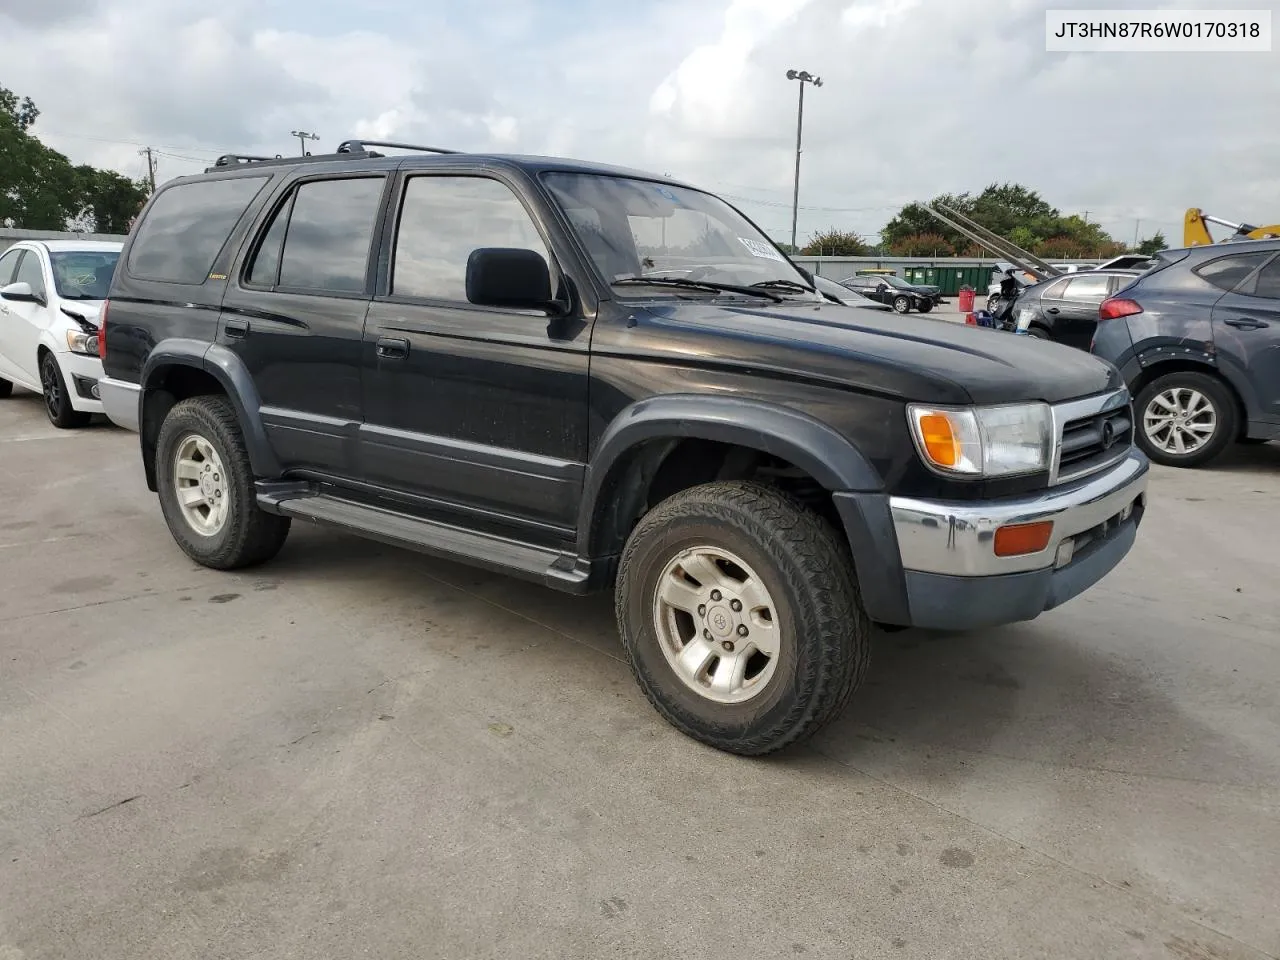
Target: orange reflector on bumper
[(1018, 539)]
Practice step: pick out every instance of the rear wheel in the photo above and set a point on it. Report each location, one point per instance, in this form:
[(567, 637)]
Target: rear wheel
[(57, 401), (901, 304), (206, 488), (1185, 419), (1039, 332), (740, 615)]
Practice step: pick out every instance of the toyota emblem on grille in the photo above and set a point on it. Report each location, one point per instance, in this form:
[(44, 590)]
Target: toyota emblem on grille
[(1108, 434)]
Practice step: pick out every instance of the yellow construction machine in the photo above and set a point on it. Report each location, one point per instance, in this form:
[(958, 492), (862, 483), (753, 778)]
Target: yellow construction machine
[(1195, 229)]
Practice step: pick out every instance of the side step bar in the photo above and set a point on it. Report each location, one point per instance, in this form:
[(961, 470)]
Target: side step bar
[(552, 568)]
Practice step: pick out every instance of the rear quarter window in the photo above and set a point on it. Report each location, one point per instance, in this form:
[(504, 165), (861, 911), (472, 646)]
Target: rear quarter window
[(186, 226), (1226, 273)]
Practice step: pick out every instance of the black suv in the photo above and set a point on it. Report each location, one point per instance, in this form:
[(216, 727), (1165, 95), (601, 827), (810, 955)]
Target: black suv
[(601, 379), (1197, 338)]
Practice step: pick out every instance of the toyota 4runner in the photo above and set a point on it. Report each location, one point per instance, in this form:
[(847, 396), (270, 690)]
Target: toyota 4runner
[(595, 379)]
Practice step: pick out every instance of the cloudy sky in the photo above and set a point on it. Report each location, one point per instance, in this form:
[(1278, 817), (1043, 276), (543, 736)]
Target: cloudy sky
[(919, 96)]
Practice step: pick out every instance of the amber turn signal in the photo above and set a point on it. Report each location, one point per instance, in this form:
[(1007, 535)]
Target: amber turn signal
[(1019, 539), (940, 442)]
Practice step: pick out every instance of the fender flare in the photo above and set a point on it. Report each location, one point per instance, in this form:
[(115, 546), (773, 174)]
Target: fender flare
[(1151, 359), (229, 370), (796, 437)]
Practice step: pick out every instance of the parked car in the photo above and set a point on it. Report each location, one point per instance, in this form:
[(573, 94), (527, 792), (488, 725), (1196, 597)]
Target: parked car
[(1197, 339), (897, 293), (599, 379), (50, 294), (842, 294), (1065, 309)]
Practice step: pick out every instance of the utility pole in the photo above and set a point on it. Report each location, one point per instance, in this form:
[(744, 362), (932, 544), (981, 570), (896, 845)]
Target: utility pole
[(1136, 225), (303, 136), (151, 166), (804, 77)]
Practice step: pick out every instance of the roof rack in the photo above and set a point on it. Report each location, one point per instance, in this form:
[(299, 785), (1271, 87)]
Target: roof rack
[(227, 159), (241, 159), (362, 146)]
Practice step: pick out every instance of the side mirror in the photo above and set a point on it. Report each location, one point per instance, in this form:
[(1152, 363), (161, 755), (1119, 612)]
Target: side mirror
[(509, 277), (21, 292)]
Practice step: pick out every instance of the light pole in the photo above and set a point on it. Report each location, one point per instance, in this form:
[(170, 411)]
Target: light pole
[(303, 137), (804, 76)]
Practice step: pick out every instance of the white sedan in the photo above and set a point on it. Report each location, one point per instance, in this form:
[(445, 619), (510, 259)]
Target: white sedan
[(51, 293)]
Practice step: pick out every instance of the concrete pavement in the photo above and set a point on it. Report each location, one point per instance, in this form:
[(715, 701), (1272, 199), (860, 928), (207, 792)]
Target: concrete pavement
[(355, 751)]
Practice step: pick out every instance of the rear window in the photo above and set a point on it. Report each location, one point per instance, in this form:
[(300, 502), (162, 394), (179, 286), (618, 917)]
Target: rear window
[(187, 225)]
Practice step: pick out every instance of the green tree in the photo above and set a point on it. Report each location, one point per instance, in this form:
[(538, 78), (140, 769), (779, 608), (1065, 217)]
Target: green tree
[(1010, 210), (41, 190), (835, 243), (1153, 244)]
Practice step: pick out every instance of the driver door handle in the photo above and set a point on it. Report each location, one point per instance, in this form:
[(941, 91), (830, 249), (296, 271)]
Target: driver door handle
[(1245, 323), (392, 348), (1053, 310)]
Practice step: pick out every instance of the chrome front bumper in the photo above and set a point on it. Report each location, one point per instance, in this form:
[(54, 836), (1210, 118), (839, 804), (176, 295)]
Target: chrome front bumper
[(120, 400), (954, 580), (958, 538)]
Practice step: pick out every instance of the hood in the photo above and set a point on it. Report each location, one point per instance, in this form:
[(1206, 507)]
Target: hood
[(83, 311), (911, 358)]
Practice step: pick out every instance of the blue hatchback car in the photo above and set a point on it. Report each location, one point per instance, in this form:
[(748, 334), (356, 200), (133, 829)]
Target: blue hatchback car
[(1197, 339)]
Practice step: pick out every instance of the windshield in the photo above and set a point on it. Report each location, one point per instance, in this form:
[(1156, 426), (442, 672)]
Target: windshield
[(642, 228), (897, 282), (83, 275)]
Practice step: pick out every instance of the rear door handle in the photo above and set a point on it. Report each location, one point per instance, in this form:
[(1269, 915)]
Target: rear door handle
[(236, 329), (1053, 310), (392, 348), (1246, 324)]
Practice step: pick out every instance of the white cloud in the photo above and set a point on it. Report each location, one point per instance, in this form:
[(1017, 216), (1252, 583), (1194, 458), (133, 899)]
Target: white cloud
[(919, 96)]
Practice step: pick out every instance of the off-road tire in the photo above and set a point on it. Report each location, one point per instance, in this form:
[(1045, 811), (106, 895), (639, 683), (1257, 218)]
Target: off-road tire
[(57, 401), (825, 636), (902, 304), (249, 535), (1218, 394)]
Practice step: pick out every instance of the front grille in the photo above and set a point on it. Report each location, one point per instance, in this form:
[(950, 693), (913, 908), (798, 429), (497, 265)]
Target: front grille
[(1094, 442)]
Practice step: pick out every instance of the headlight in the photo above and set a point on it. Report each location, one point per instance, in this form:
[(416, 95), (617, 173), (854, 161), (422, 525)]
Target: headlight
[(984, 441), (80, 342)]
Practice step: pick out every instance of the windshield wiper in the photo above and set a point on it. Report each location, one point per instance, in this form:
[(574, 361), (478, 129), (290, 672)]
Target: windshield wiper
[(784, 285), (700, 285)]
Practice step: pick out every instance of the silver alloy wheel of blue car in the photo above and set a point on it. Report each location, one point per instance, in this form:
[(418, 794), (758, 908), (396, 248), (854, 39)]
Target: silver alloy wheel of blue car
[(1180, 420)]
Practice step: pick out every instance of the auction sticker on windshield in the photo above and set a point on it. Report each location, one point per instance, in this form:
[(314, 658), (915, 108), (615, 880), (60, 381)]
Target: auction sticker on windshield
[(759, 249)]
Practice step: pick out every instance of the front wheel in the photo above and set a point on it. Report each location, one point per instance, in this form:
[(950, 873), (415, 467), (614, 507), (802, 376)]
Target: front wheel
[(740, 614), (926, 306), (57, 402), (901, 304), (206, 488), (1185, 419)]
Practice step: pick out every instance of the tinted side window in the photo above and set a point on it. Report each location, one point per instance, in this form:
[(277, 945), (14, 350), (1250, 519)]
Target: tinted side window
[(265, 268), (442, 221), (1088, 288), (8, 264), (1268, 283), (30, 271), (1227, 272), (187, 226), (326, 246)]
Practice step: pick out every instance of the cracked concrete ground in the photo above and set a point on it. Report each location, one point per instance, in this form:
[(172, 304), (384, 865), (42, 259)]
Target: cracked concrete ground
[(356, 751)]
